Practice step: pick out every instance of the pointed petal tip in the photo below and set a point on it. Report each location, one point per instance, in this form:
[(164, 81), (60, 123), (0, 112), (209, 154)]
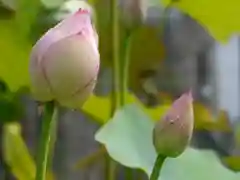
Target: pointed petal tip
[(189, 94), (82, 11), (185, 97)]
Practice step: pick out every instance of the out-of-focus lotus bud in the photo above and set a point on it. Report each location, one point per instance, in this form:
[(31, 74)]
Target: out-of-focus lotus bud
[(65, 61), (133, 12), (9, 4), (172, 134)]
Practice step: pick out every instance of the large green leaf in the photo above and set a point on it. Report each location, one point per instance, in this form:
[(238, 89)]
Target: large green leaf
[(14, 56), (128, 139), (15, 46), (220, 17)]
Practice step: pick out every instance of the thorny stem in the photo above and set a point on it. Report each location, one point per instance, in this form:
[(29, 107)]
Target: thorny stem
[(157, 167), (48, 122)]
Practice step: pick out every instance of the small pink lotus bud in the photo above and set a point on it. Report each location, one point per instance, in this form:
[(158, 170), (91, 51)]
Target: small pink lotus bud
[(173, 132), (65, 61)]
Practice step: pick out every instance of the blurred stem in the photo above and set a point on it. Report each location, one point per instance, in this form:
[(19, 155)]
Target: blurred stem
[(157, 167), (116, 103), (48, 122), (116, 56), (27, 12), (129, 173), (111, 169), (92, 158), (125, 70)]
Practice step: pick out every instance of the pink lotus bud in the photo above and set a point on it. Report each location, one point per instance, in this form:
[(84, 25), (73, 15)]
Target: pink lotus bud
[(173, 132), (65, 61)]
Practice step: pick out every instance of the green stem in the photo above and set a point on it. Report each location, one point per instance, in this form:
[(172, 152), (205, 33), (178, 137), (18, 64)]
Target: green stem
[(116, 55), (157, 167), (91, 159), (47, 128), (129, 173), (53, 137), (125, 70), (116, 76), (112, 168)]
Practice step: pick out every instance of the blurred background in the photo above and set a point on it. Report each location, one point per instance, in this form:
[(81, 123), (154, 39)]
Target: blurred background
[(171, 53)]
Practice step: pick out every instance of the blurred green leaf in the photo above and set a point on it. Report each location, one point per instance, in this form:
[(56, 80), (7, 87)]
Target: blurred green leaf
[(14, 56), (17, 155), (92, 2), (10, 108), (90, 159), (237, 134), (52, 3), (205, 119), (26, 14), (128, 140), (102, 115), (144, 58), (3, 87), (233, 162), (222, 22)]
